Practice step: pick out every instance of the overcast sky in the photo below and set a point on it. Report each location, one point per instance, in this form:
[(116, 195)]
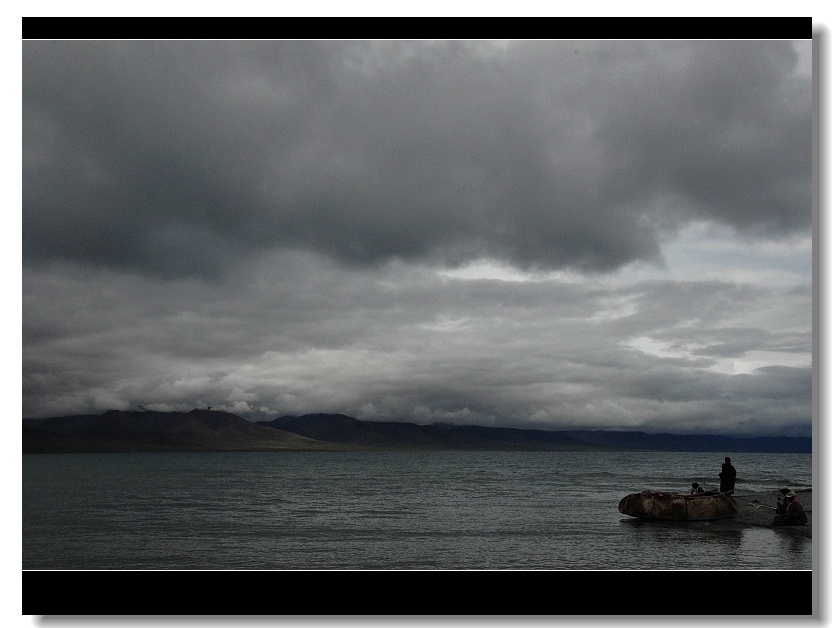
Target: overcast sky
[(550, 234)]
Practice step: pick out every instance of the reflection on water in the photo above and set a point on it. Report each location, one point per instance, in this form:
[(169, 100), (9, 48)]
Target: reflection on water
[(758, 544), (701, 545), (681, 545), (777, 549)]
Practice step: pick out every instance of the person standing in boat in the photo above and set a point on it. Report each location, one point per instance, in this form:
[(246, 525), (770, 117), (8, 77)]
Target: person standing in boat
[(793, 514), (727, 477), (695, 488)]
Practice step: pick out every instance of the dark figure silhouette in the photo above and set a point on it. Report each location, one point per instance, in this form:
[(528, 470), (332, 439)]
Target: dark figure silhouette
[(695, 488), (727, 477)]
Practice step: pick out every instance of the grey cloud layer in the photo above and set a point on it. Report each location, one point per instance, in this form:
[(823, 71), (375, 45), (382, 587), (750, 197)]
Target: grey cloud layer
[(181, 158), (301, 335)]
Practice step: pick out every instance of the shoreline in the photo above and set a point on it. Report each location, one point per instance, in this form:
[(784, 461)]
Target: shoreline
[(757, 511)]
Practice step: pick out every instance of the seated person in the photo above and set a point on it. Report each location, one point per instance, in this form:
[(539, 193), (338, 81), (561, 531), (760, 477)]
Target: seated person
[(793, 515)]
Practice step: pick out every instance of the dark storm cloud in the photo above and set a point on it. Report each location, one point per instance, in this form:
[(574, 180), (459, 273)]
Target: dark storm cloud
[(726, 137), (184, 158)]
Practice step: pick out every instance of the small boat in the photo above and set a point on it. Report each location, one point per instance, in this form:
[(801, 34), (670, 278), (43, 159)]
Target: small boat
[(678, 507)]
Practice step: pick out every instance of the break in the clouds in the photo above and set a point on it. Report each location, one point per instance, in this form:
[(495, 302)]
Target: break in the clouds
[(549, 234)]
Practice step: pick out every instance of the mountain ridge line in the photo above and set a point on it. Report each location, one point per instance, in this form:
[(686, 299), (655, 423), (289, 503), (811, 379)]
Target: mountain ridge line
[(216, 430)]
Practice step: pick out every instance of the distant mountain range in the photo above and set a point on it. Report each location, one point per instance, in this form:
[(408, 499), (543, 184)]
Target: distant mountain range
[(197, 430), (339, 428), (211, 430)]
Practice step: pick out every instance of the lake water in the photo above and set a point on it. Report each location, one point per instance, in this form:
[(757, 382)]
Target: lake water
[(414, 510)]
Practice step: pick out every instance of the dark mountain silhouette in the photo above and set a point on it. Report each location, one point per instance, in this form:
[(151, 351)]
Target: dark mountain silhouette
[(197, 430), (338, 428), (211, 430)]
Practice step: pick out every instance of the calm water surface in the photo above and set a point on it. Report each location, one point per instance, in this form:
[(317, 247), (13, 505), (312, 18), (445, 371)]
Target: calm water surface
[(419, 510)]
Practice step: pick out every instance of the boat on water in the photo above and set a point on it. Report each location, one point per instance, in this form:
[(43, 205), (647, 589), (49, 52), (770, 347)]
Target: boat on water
[(705, 506)]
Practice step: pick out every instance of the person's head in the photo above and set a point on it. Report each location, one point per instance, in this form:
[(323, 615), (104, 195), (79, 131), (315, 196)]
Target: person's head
[(727, 459), (790, 495), (785, 491), (695, 485)]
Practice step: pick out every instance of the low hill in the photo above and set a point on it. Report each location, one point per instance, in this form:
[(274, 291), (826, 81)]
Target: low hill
[(197, 430), (339, 428)]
